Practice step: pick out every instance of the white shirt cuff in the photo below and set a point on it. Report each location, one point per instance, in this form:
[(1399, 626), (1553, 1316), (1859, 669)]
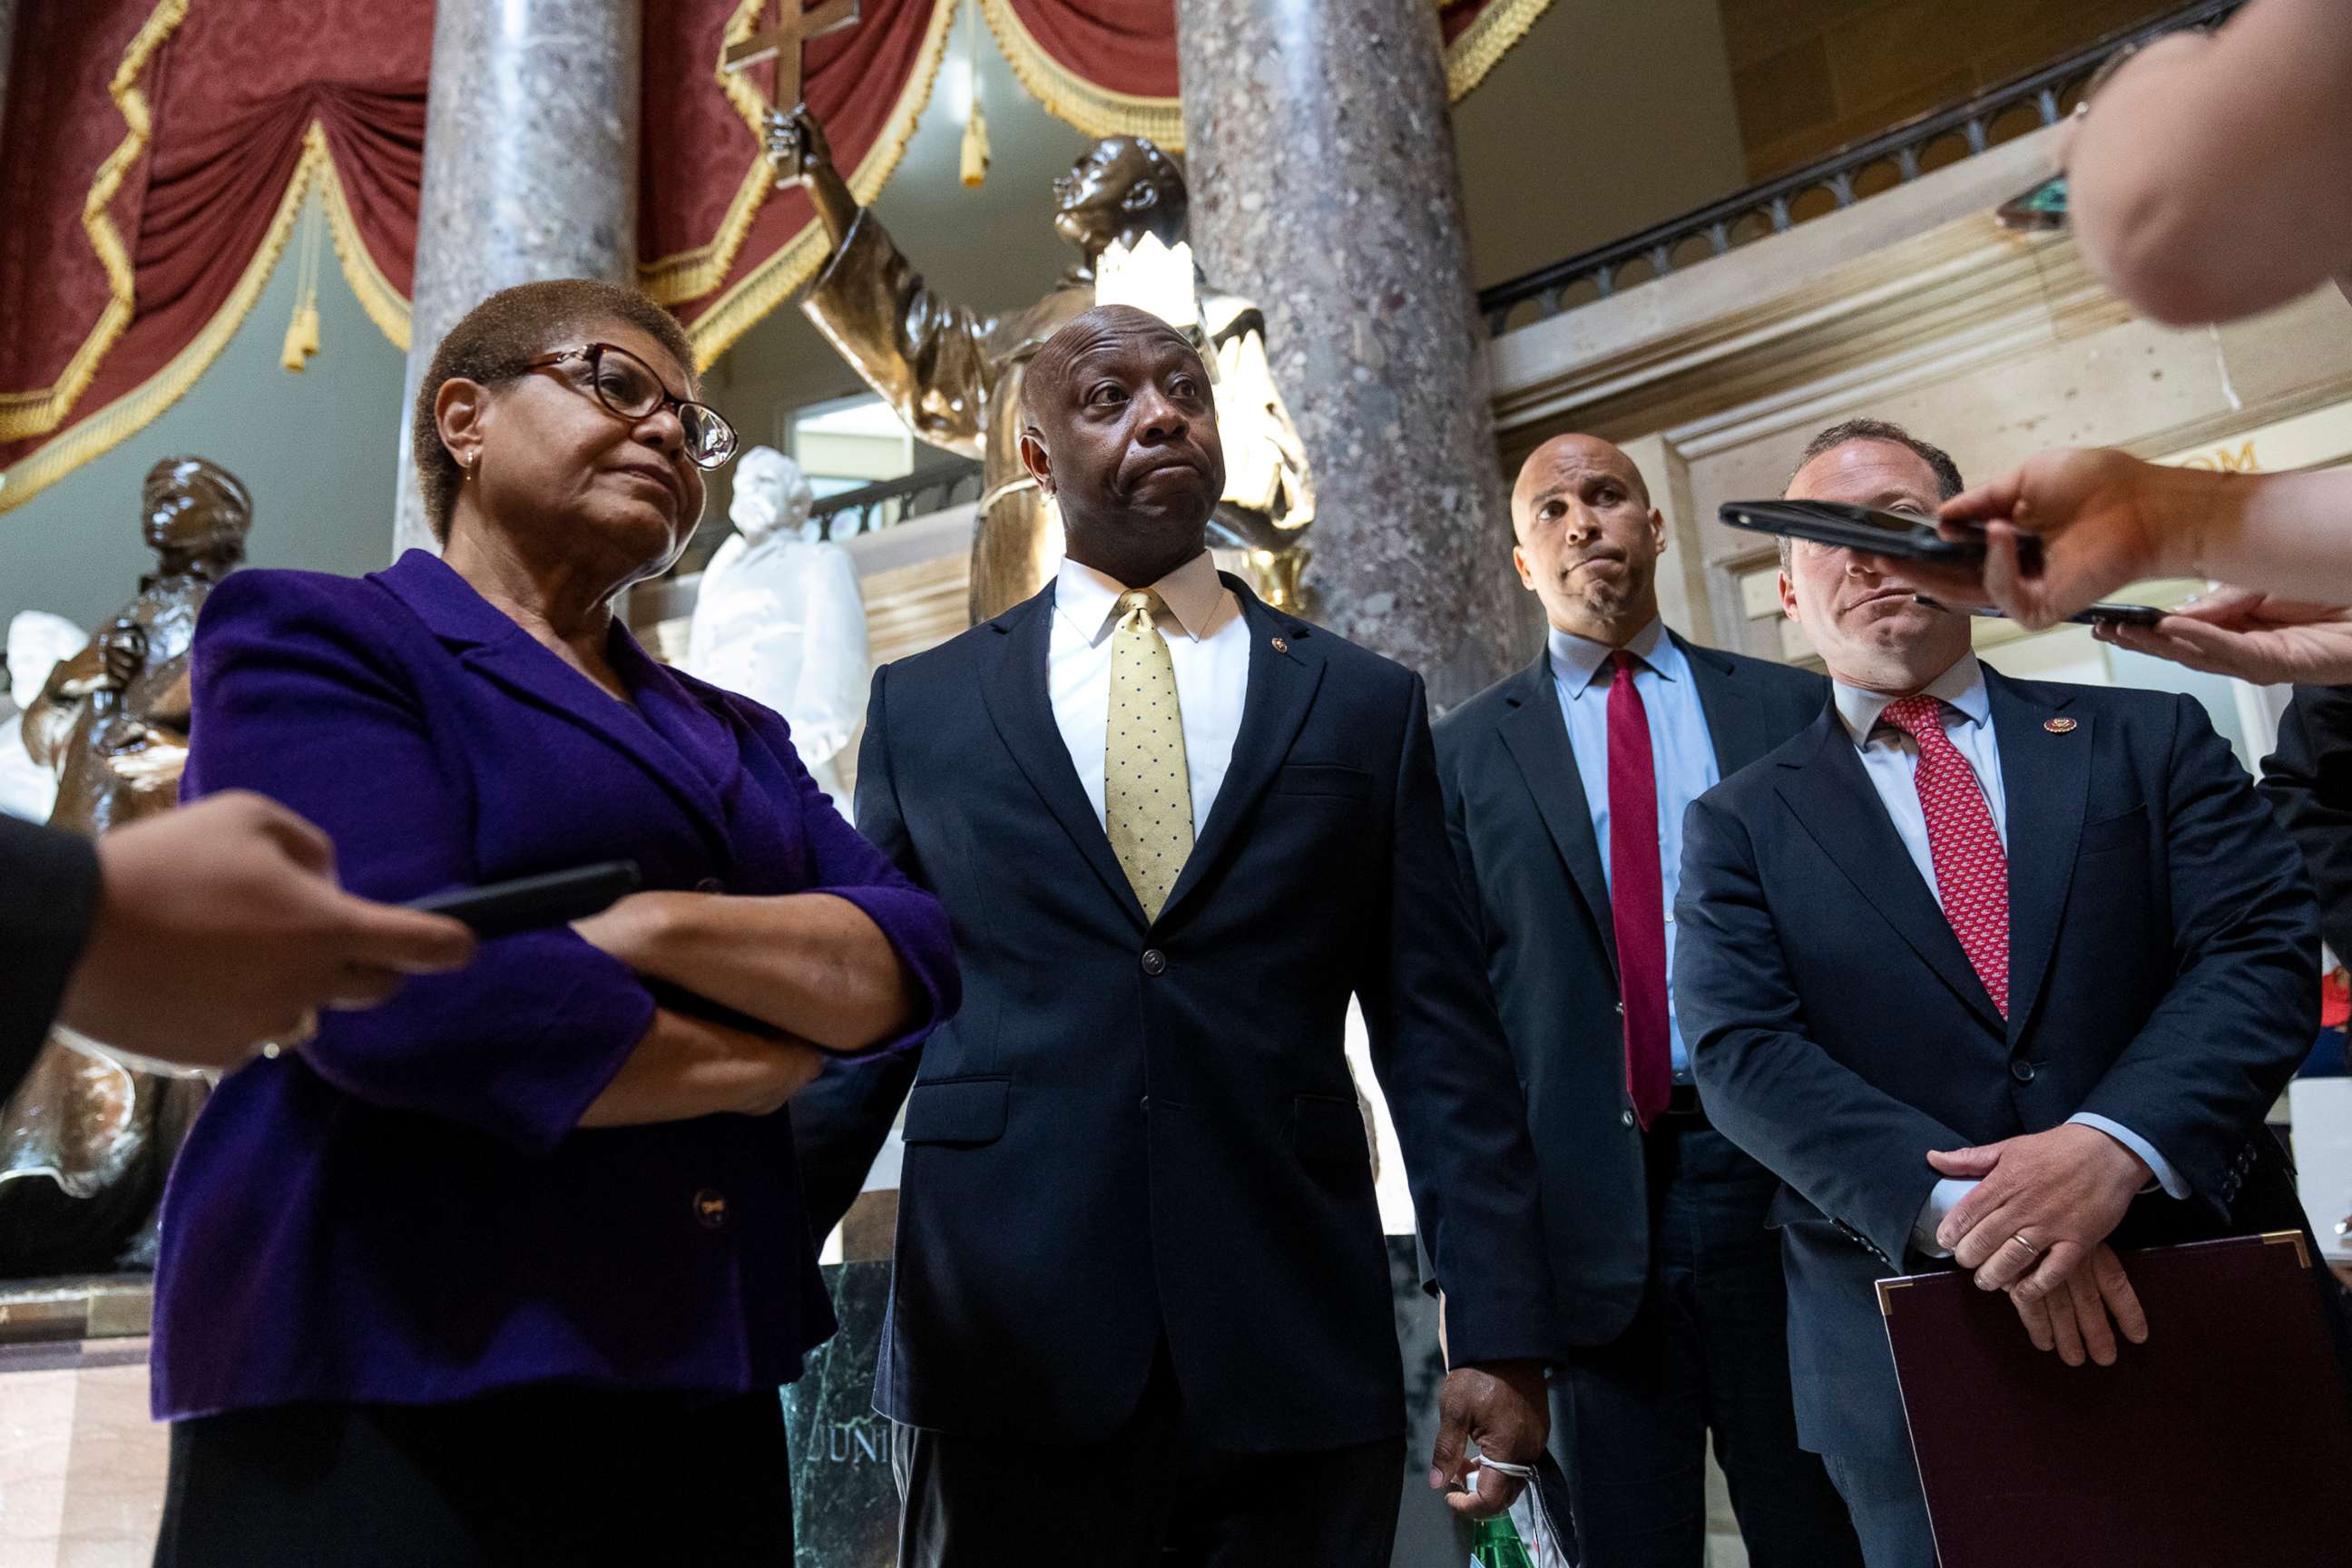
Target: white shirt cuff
[(2166, 1176), (1944, 1198)]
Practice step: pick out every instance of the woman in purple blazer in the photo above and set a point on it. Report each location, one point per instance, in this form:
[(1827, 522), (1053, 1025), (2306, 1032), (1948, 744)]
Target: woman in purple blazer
[(508, 1271)]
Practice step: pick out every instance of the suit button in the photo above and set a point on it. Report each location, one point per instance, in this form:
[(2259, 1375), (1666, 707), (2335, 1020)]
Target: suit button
[(1621, 1009), (2021, 1071), (1624, 1119), (711, 885), (709, 1209), (1144, 1105), (1155, 962)]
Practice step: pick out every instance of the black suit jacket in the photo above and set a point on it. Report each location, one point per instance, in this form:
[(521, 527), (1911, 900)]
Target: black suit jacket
[(51, 879), (1136, 1132), (1523, 834), (2163, 973), (2308, 782)]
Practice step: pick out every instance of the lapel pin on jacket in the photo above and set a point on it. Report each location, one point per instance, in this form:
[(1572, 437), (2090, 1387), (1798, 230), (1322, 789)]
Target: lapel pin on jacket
[(1280, 646), (2059, 726)]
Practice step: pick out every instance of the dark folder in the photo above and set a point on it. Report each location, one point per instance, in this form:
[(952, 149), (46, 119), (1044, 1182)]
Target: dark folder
[(2226, 1438)]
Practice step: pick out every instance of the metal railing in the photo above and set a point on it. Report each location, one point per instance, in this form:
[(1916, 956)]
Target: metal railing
[(1852, 173), (869, 507)]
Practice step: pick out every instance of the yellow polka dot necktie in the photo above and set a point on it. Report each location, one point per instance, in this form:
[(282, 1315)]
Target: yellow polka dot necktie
[(1147, 793)]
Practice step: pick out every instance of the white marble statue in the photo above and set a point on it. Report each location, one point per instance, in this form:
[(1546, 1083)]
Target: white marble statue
[(37, 641), (779, 618)]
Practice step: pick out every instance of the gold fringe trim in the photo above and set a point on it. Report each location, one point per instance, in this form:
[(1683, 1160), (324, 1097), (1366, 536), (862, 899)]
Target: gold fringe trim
[(769, 284), (690, 274), (135, 409), (1485, 41), (1096, 109), (381, 301), (26, 414), (1099, 112)]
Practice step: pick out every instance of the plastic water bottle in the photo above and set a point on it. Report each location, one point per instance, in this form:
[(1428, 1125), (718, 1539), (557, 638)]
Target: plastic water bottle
[(1497, 1545)]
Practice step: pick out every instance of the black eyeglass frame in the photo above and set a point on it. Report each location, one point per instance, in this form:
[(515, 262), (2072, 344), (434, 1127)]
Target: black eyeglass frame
[(592, 355)]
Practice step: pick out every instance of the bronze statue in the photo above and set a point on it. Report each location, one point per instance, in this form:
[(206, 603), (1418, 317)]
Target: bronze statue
[(955, 374), (85, 1142)]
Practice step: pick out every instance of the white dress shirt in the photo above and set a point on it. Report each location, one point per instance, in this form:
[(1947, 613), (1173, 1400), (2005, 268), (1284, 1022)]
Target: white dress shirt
[(1891, 758), (1208, 643), (1681, 755)]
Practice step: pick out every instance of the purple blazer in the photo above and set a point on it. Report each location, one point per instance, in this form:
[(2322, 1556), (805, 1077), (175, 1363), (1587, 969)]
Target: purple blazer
[(404, 1211)]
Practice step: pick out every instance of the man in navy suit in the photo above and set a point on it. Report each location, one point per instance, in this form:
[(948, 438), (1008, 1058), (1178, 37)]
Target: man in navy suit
[(1999, 971), (1565, 786), (1140, 1302)]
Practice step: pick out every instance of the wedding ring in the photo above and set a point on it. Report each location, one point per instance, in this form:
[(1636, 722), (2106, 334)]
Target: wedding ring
[(2028, 1247)]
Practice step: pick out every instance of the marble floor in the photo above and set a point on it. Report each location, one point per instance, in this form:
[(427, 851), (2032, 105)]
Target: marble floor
[(81, 1467)]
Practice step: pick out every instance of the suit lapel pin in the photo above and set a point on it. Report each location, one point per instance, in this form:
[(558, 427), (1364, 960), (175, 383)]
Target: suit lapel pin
[(1280, 646), (2058, 726)]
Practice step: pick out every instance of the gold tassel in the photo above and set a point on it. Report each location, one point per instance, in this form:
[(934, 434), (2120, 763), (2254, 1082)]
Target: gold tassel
[(302, 330), (291, 355), (975, 146)]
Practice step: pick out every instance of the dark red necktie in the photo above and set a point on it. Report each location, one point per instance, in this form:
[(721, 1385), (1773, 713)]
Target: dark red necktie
[(1637, 897), (1972, 869)]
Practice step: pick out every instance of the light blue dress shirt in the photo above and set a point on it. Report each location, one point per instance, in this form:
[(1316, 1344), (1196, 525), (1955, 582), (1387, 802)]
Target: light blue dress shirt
[(1681, 754), (1891, 758)]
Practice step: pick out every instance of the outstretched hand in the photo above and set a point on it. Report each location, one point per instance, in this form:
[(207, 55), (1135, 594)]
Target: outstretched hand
[(221, 925), (1500, 1406), (794, 142), (2254, 637), (2098, 515)]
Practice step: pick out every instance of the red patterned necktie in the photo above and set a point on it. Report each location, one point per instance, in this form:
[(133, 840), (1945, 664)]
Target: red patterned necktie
[(1972, 869), (1637, 899)]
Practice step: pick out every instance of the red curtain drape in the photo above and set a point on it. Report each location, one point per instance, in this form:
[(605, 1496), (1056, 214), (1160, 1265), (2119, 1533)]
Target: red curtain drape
[(1109, 66), (157, 149), (156, 152), (152, 152)]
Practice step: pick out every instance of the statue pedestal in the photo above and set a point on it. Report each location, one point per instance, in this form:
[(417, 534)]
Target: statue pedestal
[(81, 1467)]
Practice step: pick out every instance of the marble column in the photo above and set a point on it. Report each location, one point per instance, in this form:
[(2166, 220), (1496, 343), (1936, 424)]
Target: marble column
[(530, 168), (1323, 186)]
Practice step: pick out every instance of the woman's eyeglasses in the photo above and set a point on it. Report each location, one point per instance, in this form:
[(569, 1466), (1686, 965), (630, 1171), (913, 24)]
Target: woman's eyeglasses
[(628, 386)]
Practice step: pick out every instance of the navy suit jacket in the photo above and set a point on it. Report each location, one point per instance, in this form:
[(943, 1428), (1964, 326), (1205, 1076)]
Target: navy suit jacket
[(405, 1210), (1523, 833), (2163, 972), (1144, 1130)]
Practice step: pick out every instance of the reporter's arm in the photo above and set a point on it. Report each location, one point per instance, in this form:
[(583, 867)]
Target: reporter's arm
[(2207, 181)]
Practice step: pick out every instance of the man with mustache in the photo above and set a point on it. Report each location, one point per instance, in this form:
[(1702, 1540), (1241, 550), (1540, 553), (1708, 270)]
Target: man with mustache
[(1141, 1303), (2002, 972), (1565, 786)]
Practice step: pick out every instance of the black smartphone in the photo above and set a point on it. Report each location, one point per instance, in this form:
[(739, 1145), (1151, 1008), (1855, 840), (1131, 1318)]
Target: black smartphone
[(1897, 535), (2111, 614), (534, 903)]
